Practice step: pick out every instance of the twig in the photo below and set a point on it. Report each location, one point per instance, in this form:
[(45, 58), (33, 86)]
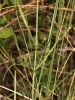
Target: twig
[(41, 52), (15, 92), (4, 97), (33, 6)]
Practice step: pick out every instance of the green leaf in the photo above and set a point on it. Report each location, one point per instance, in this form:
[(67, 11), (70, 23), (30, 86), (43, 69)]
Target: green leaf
[(4, 20), (6, 32), (11, 2)]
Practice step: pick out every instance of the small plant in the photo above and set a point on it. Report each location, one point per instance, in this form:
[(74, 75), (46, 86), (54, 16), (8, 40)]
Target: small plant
[(37, 50)]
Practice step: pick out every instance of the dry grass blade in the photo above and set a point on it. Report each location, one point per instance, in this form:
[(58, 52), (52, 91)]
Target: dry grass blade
[(65, 64), (16, 92), (4, 97)]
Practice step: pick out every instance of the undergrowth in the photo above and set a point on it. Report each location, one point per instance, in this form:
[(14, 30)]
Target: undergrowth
[(37, 50)]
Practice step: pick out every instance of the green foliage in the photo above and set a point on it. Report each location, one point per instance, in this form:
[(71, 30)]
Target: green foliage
[(6, 32), (42, 56), (4, 20), (10, 2)]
